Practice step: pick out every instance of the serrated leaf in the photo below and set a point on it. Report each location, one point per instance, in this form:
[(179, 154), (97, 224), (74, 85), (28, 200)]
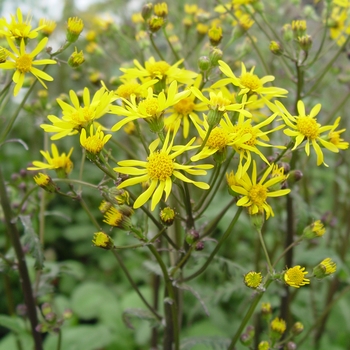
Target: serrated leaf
[(142, 314), (31, 239), (214, 343)]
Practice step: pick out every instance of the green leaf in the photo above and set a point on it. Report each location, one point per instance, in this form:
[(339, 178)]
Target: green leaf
[(15, 324), (31, 239)]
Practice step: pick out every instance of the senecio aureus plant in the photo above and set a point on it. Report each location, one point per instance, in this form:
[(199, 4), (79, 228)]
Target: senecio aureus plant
[(195, 157)]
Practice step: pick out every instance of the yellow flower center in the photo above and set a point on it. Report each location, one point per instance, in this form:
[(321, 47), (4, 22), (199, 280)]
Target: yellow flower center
[(295, 275), (62, 162), (219, 102), (246, 129), (160, 166), (185, 106), (278, 325), (149, 106), (24, 63), (158, 69), (93, 144), (250, 81), (258, 194), (308, 127), (253, 279), (218, 139), (126, 90)]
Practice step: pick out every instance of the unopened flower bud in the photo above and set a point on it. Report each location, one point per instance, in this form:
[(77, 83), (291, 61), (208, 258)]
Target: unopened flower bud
[(45, 182), (204, 63), (3, 54), (46, 309), (297, 328), (102, 240), (76, 59), (299, 28), (161, 9), (214, 56), (155, 23), (167, 216), (291, 346), (316, 229), (287, 32), (325, 268), (305, 42), (266, 309), (146, 12), (276, 48), (294, 176), (199, 246), (215, 35)]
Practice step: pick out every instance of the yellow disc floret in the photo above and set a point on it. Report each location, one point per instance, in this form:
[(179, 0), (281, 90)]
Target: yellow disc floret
[(149, 106), (158, 69), (251, 81), (295, 276), (218, 138), (258, 194), (308, 127), (185, 106), (24, 63), (160, 166)]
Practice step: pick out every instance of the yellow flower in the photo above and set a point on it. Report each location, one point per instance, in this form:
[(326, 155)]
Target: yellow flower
[(316, 229), (19, 29), (215, 35), (295, 276), (253, 279), (159, 169), (60, 162), (45, 182), (264, 345), (334, 136), (161, 9), (151, 108), (325, 268), (75, 26), (185, 110), (95, 142), (76, 59), (160, 70), (24, 63), (167, 216), (255, 194), (305, 127), (248, 82), (340, 27), (75, 117), (48, 26), (278, 325)]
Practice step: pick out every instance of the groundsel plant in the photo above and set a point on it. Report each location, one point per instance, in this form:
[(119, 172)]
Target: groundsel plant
[(197, 151)]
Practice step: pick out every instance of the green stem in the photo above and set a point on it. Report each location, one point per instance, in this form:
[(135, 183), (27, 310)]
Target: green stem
[(75, 182), (216, 249), (88, 212), (247, 316), (127, 150), (133, 284), (172, 328), (151, 37), (170, 44), (15, 115), (286, 250), (13, 233), (59, 340), (265, 251)]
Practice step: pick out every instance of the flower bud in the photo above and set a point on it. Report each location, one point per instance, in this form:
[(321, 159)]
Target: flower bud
[(204, 63), (297, 328), (215, 35), (305, 42), (214, 56), (253, 279), (167, 216), (102, 240), (75, 26), (161, 9), (276, 48), (45, 182), (316, 229), (76, 59), (290, 346), (155, 23), (146, 12), (266, 309), (199, 246), (325, 268), (3, 54), (287, 32)]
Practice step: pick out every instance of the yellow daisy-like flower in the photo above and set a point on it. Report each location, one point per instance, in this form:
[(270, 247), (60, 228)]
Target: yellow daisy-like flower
[(295, 276), (24, 63), (75, 117), (278, 325), (18, 28), (59, 162), (132, 87), (248, 82), (253, 279), (159, 169), (95, 142), (334, 136), (151, 108), (184, 111), (255, 194), (160, 70), (305, 127), (48, 26)]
